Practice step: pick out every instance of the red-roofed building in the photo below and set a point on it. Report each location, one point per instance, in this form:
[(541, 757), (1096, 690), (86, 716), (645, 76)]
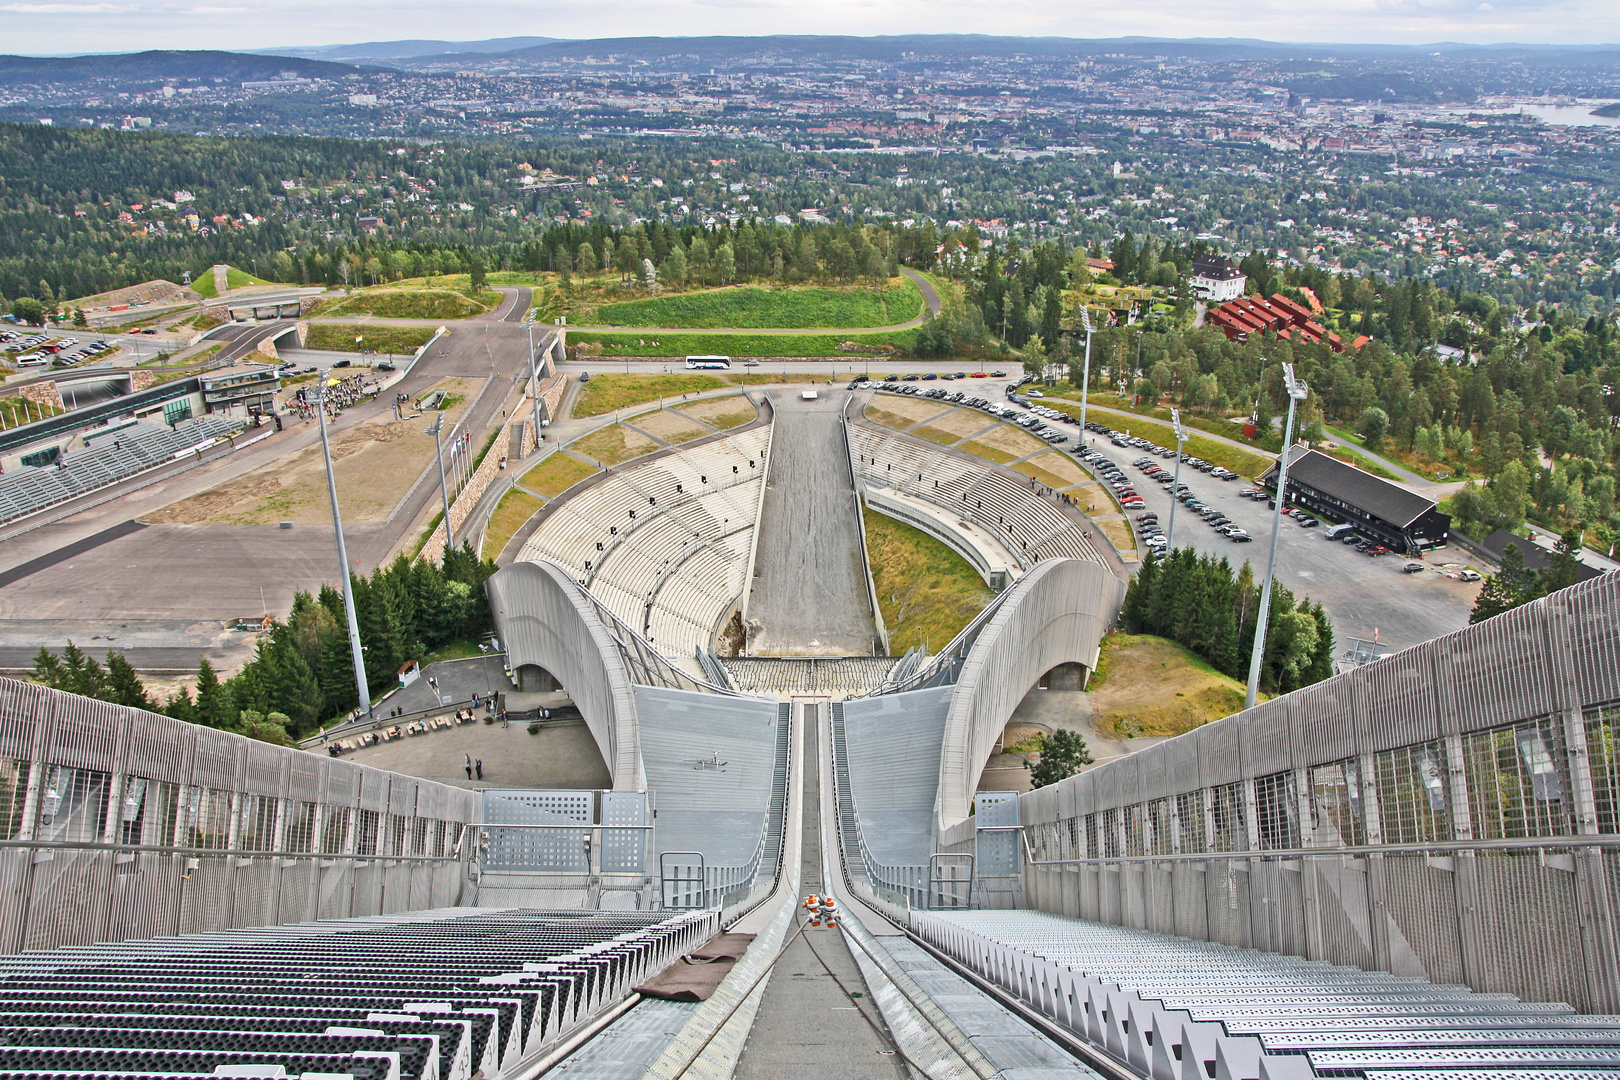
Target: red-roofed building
[(1287, 318)]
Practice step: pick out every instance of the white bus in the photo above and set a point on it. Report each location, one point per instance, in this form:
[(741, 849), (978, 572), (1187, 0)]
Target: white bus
[(695, 363)]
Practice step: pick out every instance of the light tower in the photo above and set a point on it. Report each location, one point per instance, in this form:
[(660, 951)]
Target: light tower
[(1297, 392), (356, 651), (1181, 439), (1085, 375)]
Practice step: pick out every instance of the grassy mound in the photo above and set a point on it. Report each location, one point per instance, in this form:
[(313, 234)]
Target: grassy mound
[(396, 340), (926, 591), (389, 303), (751, 307), (642, 343), (1147, 685)]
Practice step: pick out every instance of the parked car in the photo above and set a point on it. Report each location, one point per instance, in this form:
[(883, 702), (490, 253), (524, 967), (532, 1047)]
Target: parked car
[(1469, 575), (1413, 568)]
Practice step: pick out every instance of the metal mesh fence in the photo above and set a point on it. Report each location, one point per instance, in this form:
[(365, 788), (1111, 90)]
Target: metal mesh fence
[(119, 824), (1451, 812)]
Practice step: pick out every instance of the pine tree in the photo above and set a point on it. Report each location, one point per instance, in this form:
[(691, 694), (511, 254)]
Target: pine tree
[(124, 687), (213, 707)]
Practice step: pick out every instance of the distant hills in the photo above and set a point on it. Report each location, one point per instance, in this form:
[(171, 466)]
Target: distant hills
[(403, 50), (161, 65), (516, 53)]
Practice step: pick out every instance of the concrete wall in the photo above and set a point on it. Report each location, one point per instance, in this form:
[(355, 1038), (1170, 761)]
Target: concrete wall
[(1055, 614), (544, 618)]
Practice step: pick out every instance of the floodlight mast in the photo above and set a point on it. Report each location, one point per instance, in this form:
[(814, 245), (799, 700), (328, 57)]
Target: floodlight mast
[(444, 485), (355, 649), (534, 377), (1085, 377), (1297, 392), (1175, 486)]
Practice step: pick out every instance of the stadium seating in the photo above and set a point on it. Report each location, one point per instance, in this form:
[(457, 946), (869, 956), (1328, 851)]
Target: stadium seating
[(671, 570), (1031, 524), (437, 995), (29, 489)]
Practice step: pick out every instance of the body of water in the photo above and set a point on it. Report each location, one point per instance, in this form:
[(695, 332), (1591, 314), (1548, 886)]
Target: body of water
[(1571, 115)]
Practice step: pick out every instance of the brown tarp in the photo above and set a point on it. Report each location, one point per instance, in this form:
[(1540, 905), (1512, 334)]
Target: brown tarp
[(694, 976)]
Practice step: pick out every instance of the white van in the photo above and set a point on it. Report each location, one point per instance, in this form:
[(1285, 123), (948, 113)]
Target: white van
[(1339, 532), (33, 359)]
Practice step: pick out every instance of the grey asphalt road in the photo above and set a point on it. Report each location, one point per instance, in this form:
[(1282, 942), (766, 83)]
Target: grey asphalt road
[(809, 592), (219, 572), (1360, 594)]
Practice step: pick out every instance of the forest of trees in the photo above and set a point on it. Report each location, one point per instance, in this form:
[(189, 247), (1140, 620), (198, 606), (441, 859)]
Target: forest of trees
[(302, 674), (1199, 601), (1531, 418)]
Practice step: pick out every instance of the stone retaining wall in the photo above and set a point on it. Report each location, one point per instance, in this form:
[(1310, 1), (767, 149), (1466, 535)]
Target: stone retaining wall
[(462, 508)]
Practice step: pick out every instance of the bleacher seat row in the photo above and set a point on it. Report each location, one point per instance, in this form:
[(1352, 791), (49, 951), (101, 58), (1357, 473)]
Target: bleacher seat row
[(433, 995), (1028, 524), (664, 544), (1155, 999), (138, 447)]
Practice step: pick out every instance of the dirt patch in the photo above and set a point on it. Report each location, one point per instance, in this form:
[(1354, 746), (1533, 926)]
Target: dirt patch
[(672, 427), (613, 445), (1150, 686), (375, 462), (721, 412), (989, 453), (158, 292), (963, 422), (1015, 441), (936, 435), (1061, 466), (1119, 534), (909, 408)]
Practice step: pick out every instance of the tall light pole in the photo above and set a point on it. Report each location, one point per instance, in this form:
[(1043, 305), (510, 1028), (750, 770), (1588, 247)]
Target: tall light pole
[(444, 486), (1297, 392), (1175, 486), (355, 650), (534, 379), (1085, 377)]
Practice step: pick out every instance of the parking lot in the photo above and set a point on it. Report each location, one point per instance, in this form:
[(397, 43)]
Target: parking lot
[(1362, 594)]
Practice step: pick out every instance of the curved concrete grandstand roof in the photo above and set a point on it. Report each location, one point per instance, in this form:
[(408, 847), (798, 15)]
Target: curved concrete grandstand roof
[(547, 619), (1055, 614)]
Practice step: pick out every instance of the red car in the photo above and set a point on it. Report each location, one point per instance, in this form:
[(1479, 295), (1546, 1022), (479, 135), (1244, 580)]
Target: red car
[(980, 375)]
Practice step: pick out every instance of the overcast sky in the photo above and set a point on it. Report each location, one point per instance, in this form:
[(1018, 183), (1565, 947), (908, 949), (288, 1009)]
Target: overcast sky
[(68, 26)]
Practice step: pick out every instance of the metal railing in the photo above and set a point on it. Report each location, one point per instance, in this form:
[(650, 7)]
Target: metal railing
[(1450, 811)]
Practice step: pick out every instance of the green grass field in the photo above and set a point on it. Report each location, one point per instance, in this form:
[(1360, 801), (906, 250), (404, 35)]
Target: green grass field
[(604, 393), (926, 591), (643, 343), (236, 279), (396, 340), (750, 307), (515, 508), (556, 474), (393, 303)]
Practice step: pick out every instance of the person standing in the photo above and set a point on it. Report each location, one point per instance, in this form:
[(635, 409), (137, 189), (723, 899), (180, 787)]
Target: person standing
[(480, 767), (469, 766)]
